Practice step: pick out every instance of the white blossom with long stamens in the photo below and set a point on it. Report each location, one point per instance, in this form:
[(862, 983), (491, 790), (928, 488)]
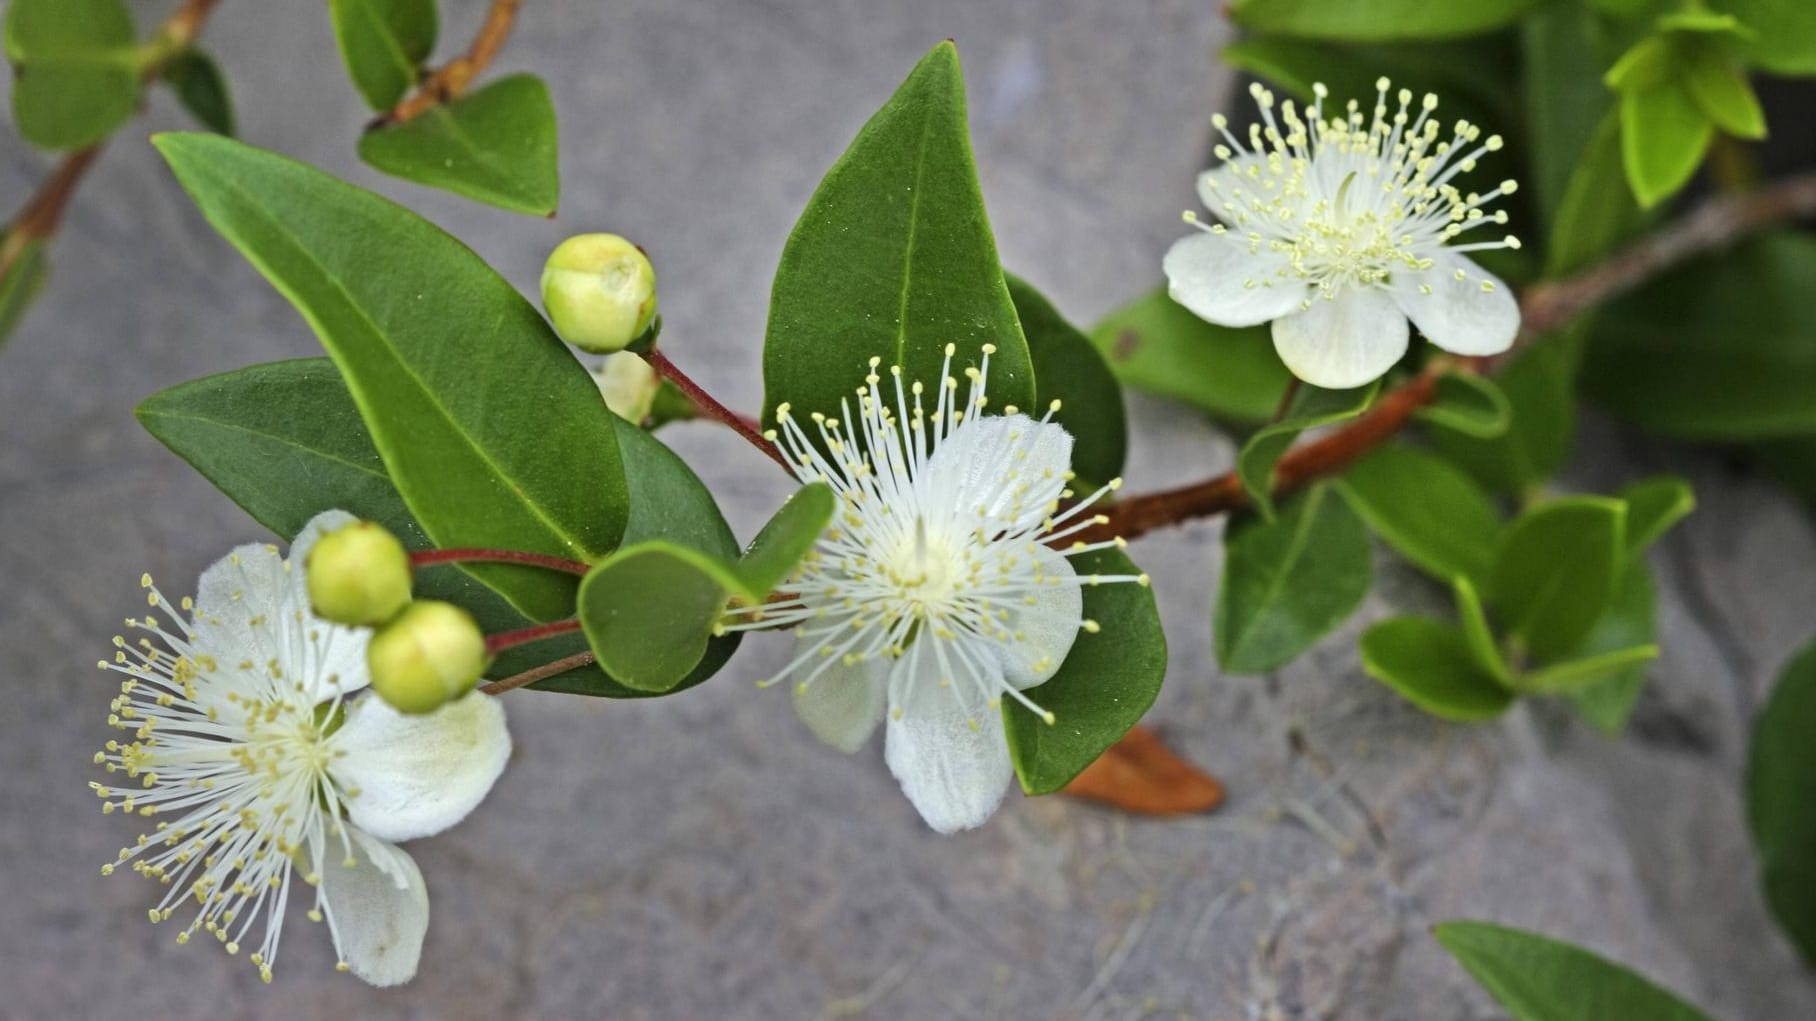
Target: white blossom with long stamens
[(936, 590), (247, 739), (1340, 229)]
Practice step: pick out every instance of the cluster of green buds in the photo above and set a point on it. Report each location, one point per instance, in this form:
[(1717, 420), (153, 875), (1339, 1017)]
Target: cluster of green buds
[(423, 653)]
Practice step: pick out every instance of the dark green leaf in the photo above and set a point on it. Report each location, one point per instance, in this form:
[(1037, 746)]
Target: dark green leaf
[(786, 538), (1722, 349), (1784, 33), (1538, 387), (1068, 369), (1469, 404), (1598, 210), (1791, 461), (1477, 635), (1288, 582), (21, 284), (384, 43), (1107, 683), (649, 609), (1430, 663), (1541, 979), (1311, 407), (1564, 96), (1155, 344), (1627, 622), (496, 145), (1427, 510), (76, 69), (1653, 506), (493, 433), (1556, 571), (202, 89), (1663, 138), (1781, 788), (893, 258), (1381, 19)]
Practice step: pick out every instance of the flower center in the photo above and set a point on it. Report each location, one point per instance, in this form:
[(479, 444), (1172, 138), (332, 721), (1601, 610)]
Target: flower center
[(926, 571)]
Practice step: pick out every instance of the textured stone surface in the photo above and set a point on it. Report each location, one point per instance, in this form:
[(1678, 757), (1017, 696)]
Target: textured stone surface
[(700, 856)]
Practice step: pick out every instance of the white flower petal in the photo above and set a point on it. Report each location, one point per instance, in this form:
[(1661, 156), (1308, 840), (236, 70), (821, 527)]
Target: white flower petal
[(417, 774), (1459, 315), (1221, 281), (1218, 186), (378, 907), (1342, 343), (238, 602), (1044, 630), (953, 773), (1009, 468), (843, 705)]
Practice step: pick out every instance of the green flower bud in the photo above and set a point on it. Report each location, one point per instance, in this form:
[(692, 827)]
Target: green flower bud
[(431, 654), (600, 292), (628, 384), (358, 574)]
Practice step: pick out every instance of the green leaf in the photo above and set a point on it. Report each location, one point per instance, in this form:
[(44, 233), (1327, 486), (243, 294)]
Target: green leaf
[(1378, 20), (1431, 665), (1477, 635), (648, 611), (1469, 404), (1155, 344), (1311, 407), (1628, 621), (1541, 979), (1556, 571), (1784, 39), (495, 145), (1574, 675), (1068, 369), (1653, 506), (1598, 210), (786, 538), (1288, 582), (1564, 96), (202, 89), (384, 43), (1781, 788), (76, 67), (1538, 386), (1723, 348), (1721, 91), (21, 284), (1790, 461), (1663, 138), (1107, 683), (493, 433), (1428, 510), (893, 258)]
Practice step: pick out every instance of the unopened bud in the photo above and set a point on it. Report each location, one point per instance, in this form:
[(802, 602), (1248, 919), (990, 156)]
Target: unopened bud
[(628, 384), (358, 574), (600, 292), (431, 654)]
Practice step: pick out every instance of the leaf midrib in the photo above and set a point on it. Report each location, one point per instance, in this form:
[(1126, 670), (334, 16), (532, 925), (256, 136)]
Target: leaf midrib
[(1277, 581)]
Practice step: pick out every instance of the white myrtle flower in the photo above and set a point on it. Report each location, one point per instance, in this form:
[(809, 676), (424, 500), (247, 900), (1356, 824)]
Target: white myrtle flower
[(1339, 230), (935, 589), (248, 742)]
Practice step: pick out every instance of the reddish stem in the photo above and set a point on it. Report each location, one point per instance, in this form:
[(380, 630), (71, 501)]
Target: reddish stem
[(503, 640), (427, 558), (543, 672), (711, 408)]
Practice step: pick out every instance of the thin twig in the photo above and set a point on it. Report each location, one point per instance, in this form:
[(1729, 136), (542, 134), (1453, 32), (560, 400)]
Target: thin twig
[(709, 407), (503, 640), (450, 81), (541, 673)]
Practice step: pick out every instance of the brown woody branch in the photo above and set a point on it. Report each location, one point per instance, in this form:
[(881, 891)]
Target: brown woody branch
[(1544, 308), (450, 81)]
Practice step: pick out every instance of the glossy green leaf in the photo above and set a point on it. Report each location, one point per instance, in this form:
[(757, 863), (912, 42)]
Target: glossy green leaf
[(1663, 138), (1784, 33), (1288, 582), (1597, 211), (1556, 570), (384, 43), (1541, 979), (1781, 788), (1311, 407), (494, 145), (1428, 510), (1653, 506), (1720, 89), (1382, 19), (1107, 683), (1573, 675), (649, 609), (493, 433), (787, 537), (1538, 386), (1431, 665), (1068, 369), (21, 285), (76, 69), (1629, 621), (893, 258), (1469, 404), (1155, 344), (1477, 634), (1723, 348), (202, 89)]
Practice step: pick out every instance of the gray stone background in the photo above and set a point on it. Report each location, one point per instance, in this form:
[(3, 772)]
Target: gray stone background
[(702, 857)]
